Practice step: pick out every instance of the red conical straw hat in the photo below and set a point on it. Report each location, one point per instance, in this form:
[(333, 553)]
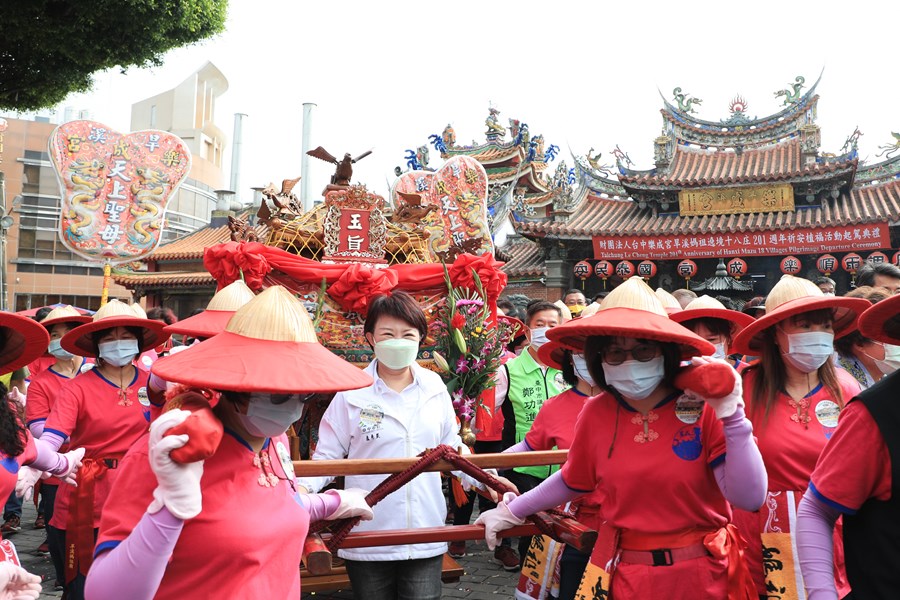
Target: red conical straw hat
[(219, 311)]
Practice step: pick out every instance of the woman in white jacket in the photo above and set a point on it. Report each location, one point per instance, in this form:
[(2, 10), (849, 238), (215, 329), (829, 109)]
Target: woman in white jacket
[(406, 411)]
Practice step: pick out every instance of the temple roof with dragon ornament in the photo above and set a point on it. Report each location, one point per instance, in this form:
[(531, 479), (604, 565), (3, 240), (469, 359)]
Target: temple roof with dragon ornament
[(521, 184), (737, 152)]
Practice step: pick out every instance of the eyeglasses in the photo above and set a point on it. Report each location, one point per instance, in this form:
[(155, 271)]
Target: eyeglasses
[(640, 353)]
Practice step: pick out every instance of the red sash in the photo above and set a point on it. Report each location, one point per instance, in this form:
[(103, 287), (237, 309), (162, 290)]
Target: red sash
[(80, 523)]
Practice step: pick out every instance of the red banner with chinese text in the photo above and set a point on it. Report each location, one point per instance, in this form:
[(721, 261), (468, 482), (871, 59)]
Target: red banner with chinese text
[(811, 240)]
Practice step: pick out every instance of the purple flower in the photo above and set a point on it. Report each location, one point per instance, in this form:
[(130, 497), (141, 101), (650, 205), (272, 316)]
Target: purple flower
[(478, 364), (462, 366)]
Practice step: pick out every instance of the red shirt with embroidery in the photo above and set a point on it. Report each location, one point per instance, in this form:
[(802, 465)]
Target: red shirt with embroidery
[(793, 435), (855, 464), (653, 473), (90, 412), (259, 560)]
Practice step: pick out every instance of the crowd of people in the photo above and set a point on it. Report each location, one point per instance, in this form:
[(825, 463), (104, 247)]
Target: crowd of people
[(721, 449)]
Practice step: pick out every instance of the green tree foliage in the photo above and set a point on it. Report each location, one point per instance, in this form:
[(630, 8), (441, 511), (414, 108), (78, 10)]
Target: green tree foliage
[(51, 48)]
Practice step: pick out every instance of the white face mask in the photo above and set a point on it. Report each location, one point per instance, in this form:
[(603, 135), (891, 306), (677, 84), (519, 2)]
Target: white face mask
[(635, 379), (891, 360), (720, 352), (809, 350), (55, 348), (581, 369), (396, 354), (539, 337), (265, 419), (119, 352)]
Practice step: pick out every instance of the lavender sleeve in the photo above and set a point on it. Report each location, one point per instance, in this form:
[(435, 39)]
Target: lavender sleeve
[(48, 459), (37, 428), (54, 439), (135, 568), (520, 447), (815, 545), (552, 492), (319, 506), (742, 475)]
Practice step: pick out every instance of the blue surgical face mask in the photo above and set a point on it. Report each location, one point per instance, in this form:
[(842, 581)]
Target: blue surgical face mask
[(809, 350), (119, 352), (55, 348), (634, 379), (720, 352), (581, 369), (266, 419), (539, 337)]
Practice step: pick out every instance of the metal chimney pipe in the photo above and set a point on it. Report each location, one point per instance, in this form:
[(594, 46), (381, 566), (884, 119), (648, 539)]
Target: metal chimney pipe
[(305, 198), (236, 148)]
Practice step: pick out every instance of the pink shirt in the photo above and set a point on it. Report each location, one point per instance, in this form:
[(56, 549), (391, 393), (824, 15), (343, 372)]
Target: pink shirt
[(246, 542)]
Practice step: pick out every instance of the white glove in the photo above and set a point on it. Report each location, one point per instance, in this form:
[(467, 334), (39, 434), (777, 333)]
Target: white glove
[(498, 519), (16, 395), (179, 484), (353, 504), (25, 482), (18, 584), (73, 462), (728, 405)]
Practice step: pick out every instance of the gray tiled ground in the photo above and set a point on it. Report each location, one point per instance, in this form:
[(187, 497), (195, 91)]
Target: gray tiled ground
[(26, 542)]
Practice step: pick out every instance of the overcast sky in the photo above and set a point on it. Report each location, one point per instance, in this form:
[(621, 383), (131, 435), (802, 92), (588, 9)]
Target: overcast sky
[(385, 75)]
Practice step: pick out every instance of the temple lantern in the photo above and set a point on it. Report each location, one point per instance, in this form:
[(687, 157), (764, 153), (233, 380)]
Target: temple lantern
[(625, 269), (687, 269), (877, 258), (827, 264), (603, 270), (646, 269), (790, 265), (851, 262), (737, 267), (582, 271)]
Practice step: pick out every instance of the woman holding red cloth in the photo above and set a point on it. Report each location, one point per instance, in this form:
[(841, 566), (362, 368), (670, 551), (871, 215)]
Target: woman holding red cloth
[(858, 477), (169, 529), (794, 395), (655, 457), (103, 412)]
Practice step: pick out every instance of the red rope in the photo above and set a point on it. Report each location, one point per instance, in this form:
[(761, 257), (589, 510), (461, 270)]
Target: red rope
[(341, 528)]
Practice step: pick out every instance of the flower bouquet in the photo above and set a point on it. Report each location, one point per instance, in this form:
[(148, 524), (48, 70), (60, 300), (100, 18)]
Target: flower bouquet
[(468, 349)]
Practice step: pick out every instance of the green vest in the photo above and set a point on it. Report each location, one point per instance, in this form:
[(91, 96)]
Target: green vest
[(528, 389)]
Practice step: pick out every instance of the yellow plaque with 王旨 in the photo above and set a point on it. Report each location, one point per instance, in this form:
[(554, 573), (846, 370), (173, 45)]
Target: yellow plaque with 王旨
[(733, 200)]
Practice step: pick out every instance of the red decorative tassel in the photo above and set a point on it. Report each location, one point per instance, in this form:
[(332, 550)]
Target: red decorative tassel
[(459, 494)]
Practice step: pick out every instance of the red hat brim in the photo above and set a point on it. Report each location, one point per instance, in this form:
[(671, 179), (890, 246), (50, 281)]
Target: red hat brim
[(79, 342), (25, 340), (73, 320), (237, 363), (518, 327), (552, 354), (738, 320), (629, 323), (205, 325), (845, 310), (881, 321)]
